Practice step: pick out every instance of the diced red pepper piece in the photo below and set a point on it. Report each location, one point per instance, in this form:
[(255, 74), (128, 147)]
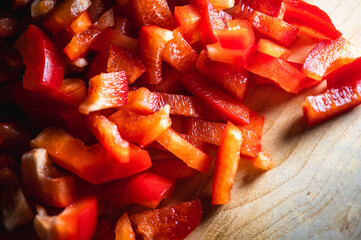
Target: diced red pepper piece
[(121, 59), (332, 103), (40, 8), (106, 90), (42, 180), (141, 129), (210, 21), (233, 79), (188, 18), (123, 25), (174, 222), (105, 21), (8, 27), (98, 64), (239, 57), (79, 44), (81, 23), (269, 7), (226, 164), (124, 229), (44, 64), (64, 14), (96, 9), (77, 221), (263, 161), (180, 147), (238, 35), (222, 4), (108, 135), (143, 101), (223, 105), (92, 163), (179, 54), (109, 37), (152, 40), (344, 74), (173, 168), (149, 12), (146, 189), (329, 55), (14, 208), (270, 48), (279, 71)]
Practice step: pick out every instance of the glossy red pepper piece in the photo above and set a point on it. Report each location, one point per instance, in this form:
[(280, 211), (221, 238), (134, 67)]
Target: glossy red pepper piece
[(188, 19), (146, 189), (82, 23), (222, 4), (106, 90), (263, 161), (45, 66), (124, 229), (270, 48), (109, 37), (180, 147), (76, 222), (106, 20), (344, 74), (98, 64), (43, 180), (269, 7), (174, 222), (233, 79), (220, 103), (173, 168), (226, 164), (143, 101), (123, 25), (92, 163)]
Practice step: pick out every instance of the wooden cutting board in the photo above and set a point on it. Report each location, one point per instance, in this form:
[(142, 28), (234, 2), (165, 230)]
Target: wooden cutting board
[(314, 192)]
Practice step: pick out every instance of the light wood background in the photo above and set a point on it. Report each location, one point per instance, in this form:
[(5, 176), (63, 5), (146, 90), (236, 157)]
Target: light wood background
[(314, 192)]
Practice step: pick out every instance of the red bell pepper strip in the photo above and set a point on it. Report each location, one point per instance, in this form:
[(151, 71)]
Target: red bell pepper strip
[(329, 55), (223, 105), (45, 66), (174, 222), (109, 37), (141, 129), (188, 19), (333, 102), (344, 74), (270, 48), (152, 40), (124, 229), (108, 135), (106, 90), (226, 164), (263, 161), (180, 147), (92, 163), (76, 222), (269, 7), (105, 21), (15, 210), (233, 79), (121, 59), (82, 23), (64, 14), (143, 101), (43, 180), (179, 54), (222, 4), (173, 168), (147, 189), (158, 10)]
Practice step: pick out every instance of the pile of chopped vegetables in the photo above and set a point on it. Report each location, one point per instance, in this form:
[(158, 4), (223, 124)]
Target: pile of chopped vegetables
[(109, 104)]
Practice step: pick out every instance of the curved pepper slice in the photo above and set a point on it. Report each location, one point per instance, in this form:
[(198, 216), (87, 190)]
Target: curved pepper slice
[(76, 222), (143, 101), (344, 74), (44, 63), (92, 163), (44, 181), (269, 7), (124, 229)]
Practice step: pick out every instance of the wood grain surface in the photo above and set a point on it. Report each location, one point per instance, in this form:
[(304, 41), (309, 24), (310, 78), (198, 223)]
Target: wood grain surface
[(314, 192)]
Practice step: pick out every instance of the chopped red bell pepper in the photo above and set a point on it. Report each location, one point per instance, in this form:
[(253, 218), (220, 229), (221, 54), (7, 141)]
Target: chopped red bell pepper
[(222, 4), (45, 66), (333, 102), (152, 40), (42, 179), (82, 23), (64, 14), (263, 161), (40, 9), (105, 21), (121, 59), (174, 222), (188, 18), (225, 106), (108, 135), (124, 229), (173, 168), (270, 48), (179, 54), (150, 12), (143, 101), (96, 9), (98, 64), (109, 37), (226, 164), (180, 147), (123, 25), (15, 210), (329, 55), (233, 79), (141, 129), (269, 7), (146, 189), (92, 163), (344, 74), (106, 90), (76, 222)]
